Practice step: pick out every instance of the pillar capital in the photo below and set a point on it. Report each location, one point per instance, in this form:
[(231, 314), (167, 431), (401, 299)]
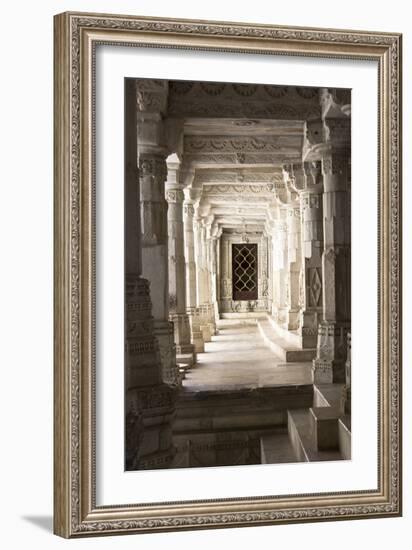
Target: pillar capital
[(323, 134), (174, 196), (334, 102), (313, 176), (151, 95), (152, 163), (337, 131), (192, 195), (188, 210)]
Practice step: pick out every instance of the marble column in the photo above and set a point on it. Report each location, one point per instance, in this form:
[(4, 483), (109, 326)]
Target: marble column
[(213, 252), (225, 280), (204, 283), (346, 397), (263, 270), (191, 196), (177, 266), (294, 266), (329, 365), (312, 247), (149, 402), (270, 270), (280, 270), (292, 177), (151, 99)]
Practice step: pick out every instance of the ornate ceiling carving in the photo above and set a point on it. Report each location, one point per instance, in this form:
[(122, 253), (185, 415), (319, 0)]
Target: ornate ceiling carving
[(234, 144), (242, 100), (242, 189), (238, 176)]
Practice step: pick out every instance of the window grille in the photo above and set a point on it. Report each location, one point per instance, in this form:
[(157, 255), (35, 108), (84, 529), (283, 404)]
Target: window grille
[(245, 271)]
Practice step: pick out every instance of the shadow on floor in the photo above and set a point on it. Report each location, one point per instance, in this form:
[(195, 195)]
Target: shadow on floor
[(43, 522)]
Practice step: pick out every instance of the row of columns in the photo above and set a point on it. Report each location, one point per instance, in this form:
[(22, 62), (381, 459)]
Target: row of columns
[(170, 243), (322, 188)]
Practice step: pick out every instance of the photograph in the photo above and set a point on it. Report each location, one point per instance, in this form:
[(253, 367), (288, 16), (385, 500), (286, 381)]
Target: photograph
[(227, 246), (237, 274)]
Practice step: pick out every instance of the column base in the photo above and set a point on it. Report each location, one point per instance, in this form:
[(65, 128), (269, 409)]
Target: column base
[(309, 324), (282, 317), (185, 351), (186, 354), (293, 321), (207, 332), (309, 337), (163, 331), (198, 342), (149, 438), (329, 365), (328, 372), (346, 400), (196, 336)]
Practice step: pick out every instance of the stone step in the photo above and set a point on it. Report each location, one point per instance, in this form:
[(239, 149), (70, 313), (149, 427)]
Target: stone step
[(292, 337), (328, 395), (253, 315), (277, 448), (325, 427), (284, 349), (183, 368), (344, 427), (302, 437), (186, 358), (233, 409)]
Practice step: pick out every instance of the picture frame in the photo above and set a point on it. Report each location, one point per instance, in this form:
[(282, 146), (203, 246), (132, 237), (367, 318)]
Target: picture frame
[(76, 511)]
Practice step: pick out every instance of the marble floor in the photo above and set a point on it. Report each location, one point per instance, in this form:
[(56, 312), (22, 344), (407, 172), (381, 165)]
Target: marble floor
[(238, 358)]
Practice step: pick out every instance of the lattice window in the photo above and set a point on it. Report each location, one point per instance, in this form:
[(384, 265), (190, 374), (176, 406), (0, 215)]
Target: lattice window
[(245, 271)]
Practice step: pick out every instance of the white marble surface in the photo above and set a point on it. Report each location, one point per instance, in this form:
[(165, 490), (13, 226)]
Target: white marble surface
[(237, 357)]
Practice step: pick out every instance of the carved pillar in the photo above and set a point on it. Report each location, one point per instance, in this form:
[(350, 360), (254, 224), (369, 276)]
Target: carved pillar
[(177, 266), (280, 270), (312, 247), (263, 267), (218, 268), (225, 279), (294, 267), (213, 252), (191, 300), (270, 272), (292, 177), (201, 313), (329, 365), (150, 404), (346, 397), (208, 324), (151, 97)]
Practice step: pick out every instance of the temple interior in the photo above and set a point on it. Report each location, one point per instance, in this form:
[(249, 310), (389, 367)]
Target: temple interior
[(237, 274)]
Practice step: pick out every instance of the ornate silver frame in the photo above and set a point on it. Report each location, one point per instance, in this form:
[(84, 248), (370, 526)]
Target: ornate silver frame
[(75, 510)]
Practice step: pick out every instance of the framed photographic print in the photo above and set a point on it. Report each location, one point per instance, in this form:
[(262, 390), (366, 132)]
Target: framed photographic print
[(227, 274)]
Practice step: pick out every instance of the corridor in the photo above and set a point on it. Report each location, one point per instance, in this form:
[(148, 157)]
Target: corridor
[(237, 272), (237, 358)]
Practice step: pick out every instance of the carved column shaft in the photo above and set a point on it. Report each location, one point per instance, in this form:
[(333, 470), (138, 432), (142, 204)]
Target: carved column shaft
[(197, 227), (188, 212), (153, 209), (177, 267), (280, 269), (213, 279), (151, 100), (294, 266), (150, 404), (177, 264), (329, 365), (191, 274), (312, 248)]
